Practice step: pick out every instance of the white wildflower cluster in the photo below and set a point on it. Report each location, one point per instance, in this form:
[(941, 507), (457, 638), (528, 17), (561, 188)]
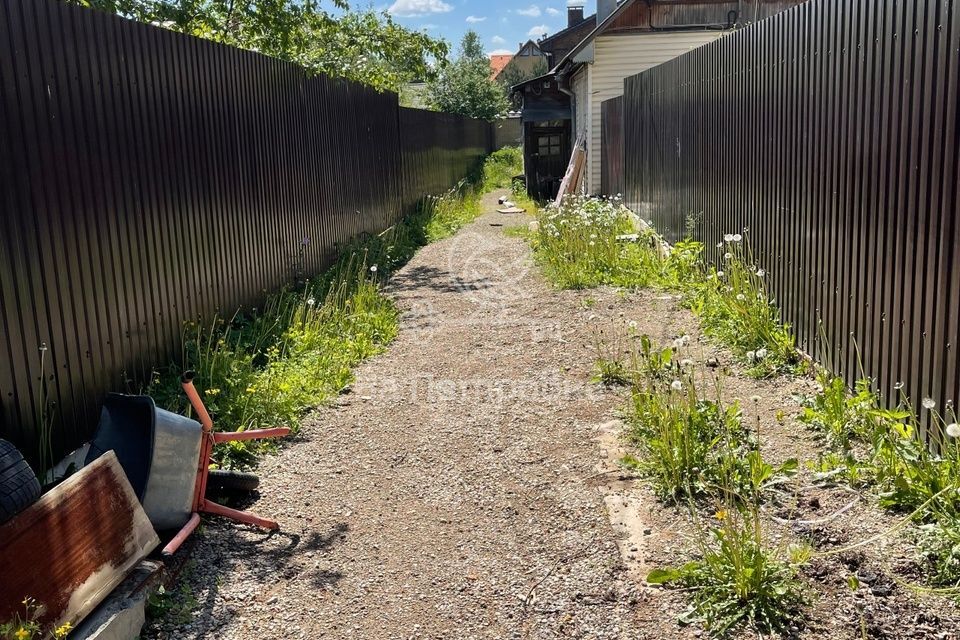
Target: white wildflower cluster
[(601, 215), (756, 356)]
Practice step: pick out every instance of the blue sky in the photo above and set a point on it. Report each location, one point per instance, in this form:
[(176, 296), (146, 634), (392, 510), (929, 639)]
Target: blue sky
[(502, 24)]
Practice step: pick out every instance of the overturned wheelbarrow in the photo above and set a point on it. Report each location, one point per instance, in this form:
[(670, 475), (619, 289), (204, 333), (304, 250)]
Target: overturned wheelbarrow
[(167, 459)]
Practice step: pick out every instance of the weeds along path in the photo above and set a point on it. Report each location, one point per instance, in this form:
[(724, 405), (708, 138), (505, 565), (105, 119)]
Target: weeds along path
[(451, 493)]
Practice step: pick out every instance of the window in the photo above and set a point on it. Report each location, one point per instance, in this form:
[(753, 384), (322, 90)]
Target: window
[(548, 145)]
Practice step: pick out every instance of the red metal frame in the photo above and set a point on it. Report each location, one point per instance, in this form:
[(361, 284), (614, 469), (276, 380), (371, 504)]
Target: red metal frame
[(200, 502)]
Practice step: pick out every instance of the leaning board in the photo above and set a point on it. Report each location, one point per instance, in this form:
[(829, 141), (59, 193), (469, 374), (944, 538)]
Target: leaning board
[(75, 544)]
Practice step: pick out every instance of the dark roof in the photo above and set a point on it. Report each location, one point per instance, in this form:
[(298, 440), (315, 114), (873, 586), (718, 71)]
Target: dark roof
[(593, 34), (564, 32)]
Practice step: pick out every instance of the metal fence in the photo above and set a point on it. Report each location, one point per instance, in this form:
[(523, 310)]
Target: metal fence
[(611, 146), (829, 133), (148, 178)]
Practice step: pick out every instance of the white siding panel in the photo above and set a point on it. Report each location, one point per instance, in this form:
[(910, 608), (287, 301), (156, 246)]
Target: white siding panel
[(620, 56)]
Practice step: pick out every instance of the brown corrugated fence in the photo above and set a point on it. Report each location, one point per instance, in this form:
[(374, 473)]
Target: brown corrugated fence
[(148, 178), (829, 133)]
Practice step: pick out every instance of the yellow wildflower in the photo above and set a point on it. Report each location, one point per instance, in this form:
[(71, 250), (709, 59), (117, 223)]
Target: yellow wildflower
[(62, 630), (721, 515), (22, 634)]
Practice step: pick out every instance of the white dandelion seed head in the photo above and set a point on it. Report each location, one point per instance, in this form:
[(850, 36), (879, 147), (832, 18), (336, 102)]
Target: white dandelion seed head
[(737, 237), (761, 354), (761, 273), (728, 237), (373, 268), (751, 355), (929, 403), (741, 297), (719, 274), (719, 245), (755, 398), (686, 362), (676, 385), (898, 386), (632, 324), (727, 256), (592, 243), (953, 430), (311, 302), (678, 343)]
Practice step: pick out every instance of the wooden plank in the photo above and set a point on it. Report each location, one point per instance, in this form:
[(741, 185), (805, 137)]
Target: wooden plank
[(74, 545), (572, 176)]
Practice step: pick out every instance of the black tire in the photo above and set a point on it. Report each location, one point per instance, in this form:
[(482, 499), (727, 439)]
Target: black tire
[(221, 480), (19, 487)]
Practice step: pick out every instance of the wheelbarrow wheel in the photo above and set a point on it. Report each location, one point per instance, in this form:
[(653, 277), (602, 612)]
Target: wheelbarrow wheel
[(19, 487), (220, 480)]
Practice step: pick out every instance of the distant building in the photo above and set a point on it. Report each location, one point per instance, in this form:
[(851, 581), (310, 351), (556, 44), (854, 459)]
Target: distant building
[(620, 41), (497, 64)]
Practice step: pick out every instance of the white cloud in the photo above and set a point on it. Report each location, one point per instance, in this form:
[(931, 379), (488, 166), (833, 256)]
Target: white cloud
[(532, 11), (475, 19), (500, 52), (429, 26), (498, 40), (414, 8), (553, 12), (537, 31)]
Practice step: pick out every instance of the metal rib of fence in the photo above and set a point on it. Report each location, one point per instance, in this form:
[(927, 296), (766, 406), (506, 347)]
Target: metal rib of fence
[(148, 178), (828, 133)]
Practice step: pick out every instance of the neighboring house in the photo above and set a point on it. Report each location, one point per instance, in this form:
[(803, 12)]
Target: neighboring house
[(527, 62), (626, 39), (498, 62)]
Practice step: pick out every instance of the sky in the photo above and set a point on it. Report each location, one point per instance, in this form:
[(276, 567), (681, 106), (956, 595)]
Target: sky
[(502, 24)]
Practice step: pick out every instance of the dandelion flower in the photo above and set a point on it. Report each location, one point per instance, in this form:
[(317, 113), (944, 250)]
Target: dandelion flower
[(755, 398), (741, 297), (751, 356), (719, 274), (737, 237), (721, 515), (761, 273), (719, 245), (728, 237), (953, 430), (761, 354), (727, 256), (373, 268), (311, 302), (898, 386), (676, 385), (22, 634), (929, 403), (592, 243), (686, 362), (632, 324)]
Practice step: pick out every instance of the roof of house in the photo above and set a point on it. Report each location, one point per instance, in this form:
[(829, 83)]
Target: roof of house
[(498, 62), (546, 41), (593, 34)]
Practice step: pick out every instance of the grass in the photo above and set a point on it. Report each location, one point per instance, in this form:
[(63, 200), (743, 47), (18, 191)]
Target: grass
[(589, 242), (739, 579), (269, 365), (735, 308), (911, 473)]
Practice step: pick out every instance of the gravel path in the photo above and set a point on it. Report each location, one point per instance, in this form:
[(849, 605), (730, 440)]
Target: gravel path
[(451, 493)]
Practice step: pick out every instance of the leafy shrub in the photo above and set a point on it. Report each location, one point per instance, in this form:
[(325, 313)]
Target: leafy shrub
[(501, 167), (739, 579)]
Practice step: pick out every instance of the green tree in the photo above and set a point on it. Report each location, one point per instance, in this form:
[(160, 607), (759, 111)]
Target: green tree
[(513, 75), (464, 86), (366, 46)]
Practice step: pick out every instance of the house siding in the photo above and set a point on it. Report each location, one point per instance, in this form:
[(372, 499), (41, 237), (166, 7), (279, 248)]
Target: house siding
[(617, 57), (580, 85)]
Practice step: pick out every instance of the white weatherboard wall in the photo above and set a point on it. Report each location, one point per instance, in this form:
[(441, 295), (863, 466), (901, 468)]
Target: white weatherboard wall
[(617, 57)]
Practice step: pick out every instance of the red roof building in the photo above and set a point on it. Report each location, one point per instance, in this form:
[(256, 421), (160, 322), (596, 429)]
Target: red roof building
[(498, 62)]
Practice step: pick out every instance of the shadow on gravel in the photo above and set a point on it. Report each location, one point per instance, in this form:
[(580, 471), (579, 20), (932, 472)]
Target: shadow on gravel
[(438, 280)]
